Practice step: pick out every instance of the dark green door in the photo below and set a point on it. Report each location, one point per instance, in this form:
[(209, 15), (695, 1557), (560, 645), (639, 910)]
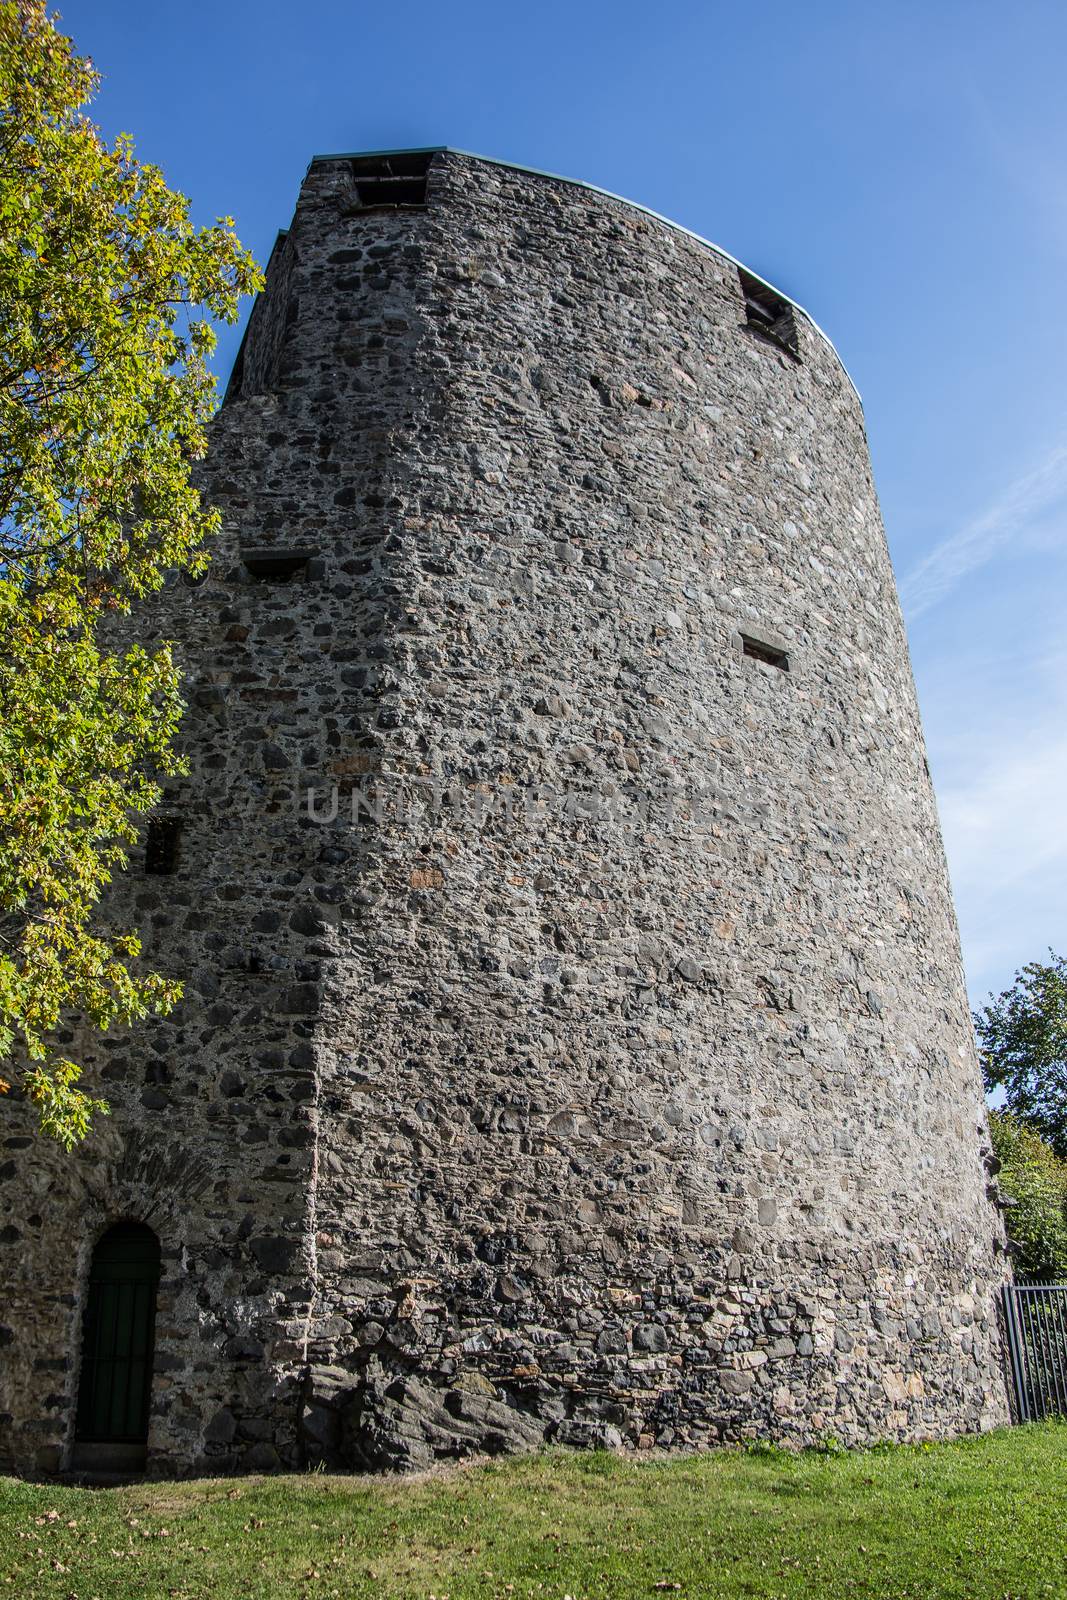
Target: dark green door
[(117, 1336)]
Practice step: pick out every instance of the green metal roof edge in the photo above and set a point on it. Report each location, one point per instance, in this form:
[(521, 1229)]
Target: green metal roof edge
[(608, 194)]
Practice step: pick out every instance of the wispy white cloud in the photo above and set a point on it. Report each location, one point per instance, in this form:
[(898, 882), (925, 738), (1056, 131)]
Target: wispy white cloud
[(1007, 825), (1024, 151), (997, 728), (1007, 849), (1011, 516)]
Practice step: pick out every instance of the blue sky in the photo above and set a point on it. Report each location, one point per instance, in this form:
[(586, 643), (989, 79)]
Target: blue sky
[(898, 168)]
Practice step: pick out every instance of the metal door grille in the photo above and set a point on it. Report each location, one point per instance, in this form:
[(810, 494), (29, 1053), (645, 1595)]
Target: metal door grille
[(1035, 1315)]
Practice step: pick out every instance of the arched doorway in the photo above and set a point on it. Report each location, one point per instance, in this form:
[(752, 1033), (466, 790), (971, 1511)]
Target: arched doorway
[(118, 1329)]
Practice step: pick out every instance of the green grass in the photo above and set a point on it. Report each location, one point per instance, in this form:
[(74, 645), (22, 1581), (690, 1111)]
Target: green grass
[(984, 1518)]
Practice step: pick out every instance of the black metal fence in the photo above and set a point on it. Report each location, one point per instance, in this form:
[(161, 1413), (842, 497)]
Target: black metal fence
[(1035, 1316)]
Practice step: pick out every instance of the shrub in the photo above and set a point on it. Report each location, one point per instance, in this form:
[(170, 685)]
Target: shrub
[(1036, 1179)]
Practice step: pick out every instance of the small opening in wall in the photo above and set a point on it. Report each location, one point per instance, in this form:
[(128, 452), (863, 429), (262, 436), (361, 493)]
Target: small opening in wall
[(769, 314), (275, 566), (765, 652), (161, 846), (398, 180)]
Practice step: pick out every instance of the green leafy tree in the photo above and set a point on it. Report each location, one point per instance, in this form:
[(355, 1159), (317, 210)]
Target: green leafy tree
[(1034, 1177), (1022, 1038), (107, 298)]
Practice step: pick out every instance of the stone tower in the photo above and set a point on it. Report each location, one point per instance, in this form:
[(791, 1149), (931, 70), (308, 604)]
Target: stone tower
[(602, 1068)]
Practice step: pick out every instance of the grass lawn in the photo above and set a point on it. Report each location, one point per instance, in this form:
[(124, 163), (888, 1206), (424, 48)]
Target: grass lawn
[(983, 1518)]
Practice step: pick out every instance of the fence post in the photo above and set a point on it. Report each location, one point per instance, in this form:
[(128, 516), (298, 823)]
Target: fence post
[(1015, 1347)]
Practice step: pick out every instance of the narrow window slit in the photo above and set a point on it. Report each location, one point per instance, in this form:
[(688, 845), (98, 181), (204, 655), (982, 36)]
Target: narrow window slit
[(769, 314), (161, 846), (265, 565), (765, 652)]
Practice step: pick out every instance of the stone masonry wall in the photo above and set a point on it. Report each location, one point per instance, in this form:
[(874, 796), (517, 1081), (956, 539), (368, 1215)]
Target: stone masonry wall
[(623, 1086)]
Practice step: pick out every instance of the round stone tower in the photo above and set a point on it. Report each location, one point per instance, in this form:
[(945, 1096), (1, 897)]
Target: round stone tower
[(574, 1042)]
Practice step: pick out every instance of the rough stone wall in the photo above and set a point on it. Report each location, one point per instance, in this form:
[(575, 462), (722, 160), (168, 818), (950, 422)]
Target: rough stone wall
[(625, 1089)]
